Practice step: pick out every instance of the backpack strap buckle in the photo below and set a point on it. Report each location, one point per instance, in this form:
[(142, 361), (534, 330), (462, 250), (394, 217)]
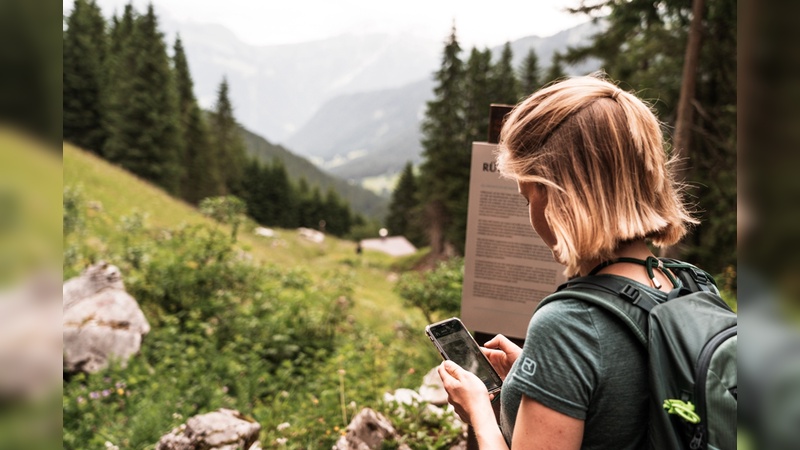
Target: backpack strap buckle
[(631, 293), (635, 296)]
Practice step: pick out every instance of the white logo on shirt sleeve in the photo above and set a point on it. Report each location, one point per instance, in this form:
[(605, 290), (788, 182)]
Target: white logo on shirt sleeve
[(528, 366)]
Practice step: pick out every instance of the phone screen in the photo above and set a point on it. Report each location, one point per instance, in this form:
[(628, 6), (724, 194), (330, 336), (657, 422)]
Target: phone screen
[(456, 344)]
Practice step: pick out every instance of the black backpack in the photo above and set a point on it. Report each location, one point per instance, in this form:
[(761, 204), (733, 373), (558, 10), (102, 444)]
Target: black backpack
[(691, 343)]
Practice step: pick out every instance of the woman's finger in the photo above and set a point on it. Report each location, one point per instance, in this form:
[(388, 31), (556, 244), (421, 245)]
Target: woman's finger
[(452, 368)]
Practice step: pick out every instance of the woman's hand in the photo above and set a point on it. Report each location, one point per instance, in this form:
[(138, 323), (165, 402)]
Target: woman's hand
[(502, 353), (467, 393)]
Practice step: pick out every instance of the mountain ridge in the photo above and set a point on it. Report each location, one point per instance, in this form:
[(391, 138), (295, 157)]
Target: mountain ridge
[(381, 146)]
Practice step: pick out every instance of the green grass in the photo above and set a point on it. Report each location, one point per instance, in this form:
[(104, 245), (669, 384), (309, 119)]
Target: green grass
[(378, 346)]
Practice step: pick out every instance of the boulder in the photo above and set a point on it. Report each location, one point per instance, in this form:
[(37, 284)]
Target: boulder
[(224, 429), (366, 431), (100, 320), (432, 390)]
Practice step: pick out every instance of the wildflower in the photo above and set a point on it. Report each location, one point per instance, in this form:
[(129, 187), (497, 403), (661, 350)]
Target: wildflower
[(120, 391), (284, 394), (94, 395), (111, 446), (106, 392), (283, 426), (411, 371), (81, 400), (336, 428), (120, 385), (225, 389), (315, 400), (281, 441)]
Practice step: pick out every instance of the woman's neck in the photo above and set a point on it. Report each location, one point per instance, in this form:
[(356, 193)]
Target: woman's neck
[(634, 249)]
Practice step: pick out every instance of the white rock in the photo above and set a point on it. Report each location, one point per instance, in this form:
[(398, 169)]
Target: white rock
[(224, 429), (100, 321)]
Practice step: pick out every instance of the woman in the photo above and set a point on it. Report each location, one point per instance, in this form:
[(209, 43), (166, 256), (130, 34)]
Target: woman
[(590, 161)]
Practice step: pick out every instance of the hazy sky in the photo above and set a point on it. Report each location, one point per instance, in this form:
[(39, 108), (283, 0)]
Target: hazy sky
[(478, 23)]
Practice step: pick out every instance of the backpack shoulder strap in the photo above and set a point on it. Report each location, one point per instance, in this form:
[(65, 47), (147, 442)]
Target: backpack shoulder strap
[(694, 278), (621, 299)]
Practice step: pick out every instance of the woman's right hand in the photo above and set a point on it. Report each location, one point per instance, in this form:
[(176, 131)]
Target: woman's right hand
[(502, 353)]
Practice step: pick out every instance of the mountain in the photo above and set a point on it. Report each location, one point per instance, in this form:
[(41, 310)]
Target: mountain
[(360, 199), (366, 134), (373, 134), (276, 89)]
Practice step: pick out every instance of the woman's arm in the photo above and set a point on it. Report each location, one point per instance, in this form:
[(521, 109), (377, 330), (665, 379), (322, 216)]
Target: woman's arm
[(541, 428), (537, 426)]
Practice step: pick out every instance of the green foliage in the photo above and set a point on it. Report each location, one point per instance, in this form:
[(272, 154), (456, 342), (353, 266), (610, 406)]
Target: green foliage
[(434, 292), (420, 427), (644, 47), (74, 205), (403, 218), (504, 86), (227, 140), (124, 101), (142, 110), (529, 74), (84, 57), (444, 173), (361, 200), (556, 70), (221, 327), (363, 229), (202, 177), (227, 209), (280, 344)]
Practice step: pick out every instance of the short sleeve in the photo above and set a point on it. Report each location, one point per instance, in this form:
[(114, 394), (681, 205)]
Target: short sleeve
[(561, 360)]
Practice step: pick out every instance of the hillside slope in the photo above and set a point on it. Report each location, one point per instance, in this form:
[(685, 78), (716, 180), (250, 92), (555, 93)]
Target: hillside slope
[(360, 200)]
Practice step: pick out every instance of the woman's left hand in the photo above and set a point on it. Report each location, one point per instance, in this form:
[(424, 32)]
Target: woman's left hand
[(466, 392)]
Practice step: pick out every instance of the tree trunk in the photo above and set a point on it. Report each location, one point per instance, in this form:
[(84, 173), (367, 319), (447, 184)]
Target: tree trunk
[(685, 114)]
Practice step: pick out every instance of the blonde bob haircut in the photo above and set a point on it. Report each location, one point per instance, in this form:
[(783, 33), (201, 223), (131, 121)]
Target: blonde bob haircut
[(598, 153)]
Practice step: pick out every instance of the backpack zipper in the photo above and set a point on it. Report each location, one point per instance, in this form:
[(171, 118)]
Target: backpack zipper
[(703, 363)]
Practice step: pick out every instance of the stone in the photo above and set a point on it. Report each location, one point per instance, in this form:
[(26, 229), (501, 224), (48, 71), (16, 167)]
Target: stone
[(432, 390), (366, 431), (403, 396), (101, 321), (224, 429)]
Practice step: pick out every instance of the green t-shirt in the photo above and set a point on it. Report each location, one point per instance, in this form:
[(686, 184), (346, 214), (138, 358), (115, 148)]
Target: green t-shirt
[(580, 360)]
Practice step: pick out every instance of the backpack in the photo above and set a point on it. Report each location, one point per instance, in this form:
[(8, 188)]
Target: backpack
[(691, 345)]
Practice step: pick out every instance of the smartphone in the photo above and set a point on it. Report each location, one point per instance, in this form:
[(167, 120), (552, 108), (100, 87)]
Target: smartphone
[(455, 343)]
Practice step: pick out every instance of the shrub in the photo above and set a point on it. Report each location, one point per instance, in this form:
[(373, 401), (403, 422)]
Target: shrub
[(436, 291)]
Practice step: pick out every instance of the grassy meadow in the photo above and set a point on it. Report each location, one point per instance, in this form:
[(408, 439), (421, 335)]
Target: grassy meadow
[(285, 330)]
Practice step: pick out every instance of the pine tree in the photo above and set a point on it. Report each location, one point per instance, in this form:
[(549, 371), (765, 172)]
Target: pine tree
[(303, 203), (255, 184), (504, 86), (336, 214), (144, 132), (529, 74), (403, 219), (84, 57), (284, 197), (119, 87), (227, 140), (556, 70), (202, 176), (477, 95), (444, 177)]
